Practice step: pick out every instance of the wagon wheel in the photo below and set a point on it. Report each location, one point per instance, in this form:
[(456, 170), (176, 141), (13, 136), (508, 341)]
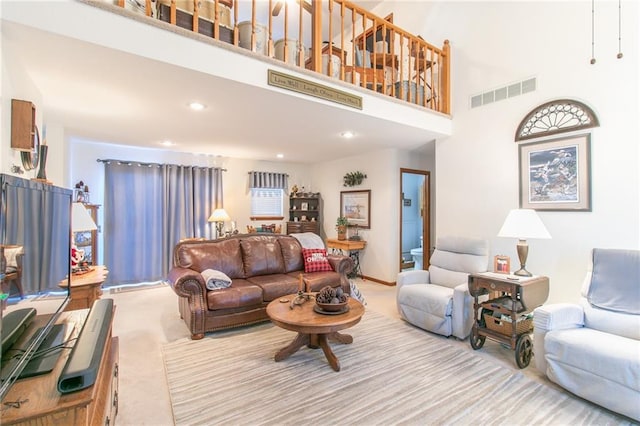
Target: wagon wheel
[(524, 350), (475, 339)]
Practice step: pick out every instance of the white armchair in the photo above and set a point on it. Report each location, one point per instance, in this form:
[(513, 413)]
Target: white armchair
[(438, 300), (592, 348)]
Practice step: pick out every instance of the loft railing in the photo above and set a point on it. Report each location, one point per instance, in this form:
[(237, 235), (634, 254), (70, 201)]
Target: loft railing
[(355, 45)]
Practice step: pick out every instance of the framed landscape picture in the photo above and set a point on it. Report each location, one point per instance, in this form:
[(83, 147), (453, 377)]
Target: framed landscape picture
[(556, 174), (356, 207)]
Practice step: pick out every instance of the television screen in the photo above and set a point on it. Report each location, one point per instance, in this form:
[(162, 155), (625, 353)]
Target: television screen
[(35, 244)]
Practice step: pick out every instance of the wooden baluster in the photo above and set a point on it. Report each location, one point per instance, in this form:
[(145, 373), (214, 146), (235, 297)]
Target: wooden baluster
[(121, 3), (363, 47), (444, 78), (330, 64), (300, 37), (172, 14), (147, 8), (196, 13), (235, 23), (316, 35), (392, 52), (217, 12), (353, 46), (253, 25), (286, 31), (342, 55)]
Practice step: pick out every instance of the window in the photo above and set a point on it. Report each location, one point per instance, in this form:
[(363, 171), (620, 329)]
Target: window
[(266, 203)]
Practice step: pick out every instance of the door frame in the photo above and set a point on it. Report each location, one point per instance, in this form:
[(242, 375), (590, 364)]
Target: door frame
[(426, 218)]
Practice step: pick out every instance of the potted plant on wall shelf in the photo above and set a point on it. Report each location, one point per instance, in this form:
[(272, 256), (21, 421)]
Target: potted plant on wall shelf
[(341, 227)]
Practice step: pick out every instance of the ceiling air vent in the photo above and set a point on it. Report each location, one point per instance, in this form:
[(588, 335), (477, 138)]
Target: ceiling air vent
[(502, 93)]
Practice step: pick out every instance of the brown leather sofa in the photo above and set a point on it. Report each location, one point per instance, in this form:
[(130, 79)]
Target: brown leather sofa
[(262, 268)]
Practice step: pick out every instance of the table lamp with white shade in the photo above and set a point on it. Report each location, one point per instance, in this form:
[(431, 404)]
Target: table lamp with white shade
[(523, 224), (219, 216)]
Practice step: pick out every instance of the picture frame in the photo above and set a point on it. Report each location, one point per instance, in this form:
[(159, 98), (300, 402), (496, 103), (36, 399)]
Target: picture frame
[(502, 264), (555, 175), (356, 207), (304, 206)]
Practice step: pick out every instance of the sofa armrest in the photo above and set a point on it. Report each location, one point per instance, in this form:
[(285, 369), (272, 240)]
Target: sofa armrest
[(412, 277), (462, 314), (340, 264), (557, 316), (186, 282)]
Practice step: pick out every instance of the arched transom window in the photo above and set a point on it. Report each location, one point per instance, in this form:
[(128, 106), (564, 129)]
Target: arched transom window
[(563, 115)]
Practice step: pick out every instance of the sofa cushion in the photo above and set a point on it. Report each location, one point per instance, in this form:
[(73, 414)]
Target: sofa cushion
[(261, 255), (291, 254), (315, 260), (224, 256), (431, 299), (241, 294), (611, 357), (275, 285)]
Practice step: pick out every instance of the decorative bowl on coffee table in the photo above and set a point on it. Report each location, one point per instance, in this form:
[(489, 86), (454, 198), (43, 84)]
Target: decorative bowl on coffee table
[(332, 307)]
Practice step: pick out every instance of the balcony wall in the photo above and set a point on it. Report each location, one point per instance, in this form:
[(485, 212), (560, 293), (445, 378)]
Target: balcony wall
[(355, 45)]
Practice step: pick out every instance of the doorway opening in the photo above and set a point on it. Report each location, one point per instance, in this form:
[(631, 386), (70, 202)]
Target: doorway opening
[(415, 219)]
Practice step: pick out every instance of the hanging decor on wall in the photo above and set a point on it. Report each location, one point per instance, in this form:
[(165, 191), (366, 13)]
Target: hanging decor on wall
[(562, 115), (354, 178)]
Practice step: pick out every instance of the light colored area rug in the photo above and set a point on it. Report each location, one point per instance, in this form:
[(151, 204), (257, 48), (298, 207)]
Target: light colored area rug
[(391, 374)]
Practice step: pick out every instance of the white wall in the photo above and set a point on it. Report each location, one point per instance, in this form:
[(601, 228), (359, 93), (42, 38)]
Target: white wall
[(495, 43), (380, 257)]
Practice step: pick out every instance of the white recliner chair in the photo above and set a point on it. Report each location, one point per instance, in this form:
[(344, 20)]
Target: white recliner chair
[(438, 300), (592, 348)]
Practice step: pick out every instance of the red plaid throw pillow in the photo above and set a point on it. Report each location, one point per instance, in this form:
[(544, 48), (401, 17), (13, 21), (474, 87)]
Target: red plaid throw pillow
[(315, 260)]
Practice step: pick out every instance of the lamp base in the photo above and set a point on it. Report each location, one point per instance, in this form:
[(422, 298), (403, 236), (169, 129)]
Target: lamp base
[(523, 272), (523, 252)]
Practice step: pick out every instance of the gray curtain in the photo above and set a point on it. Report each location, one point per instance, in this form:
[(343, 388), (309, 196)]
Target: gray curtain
[(37, 217), (268, 180), (148, 209)]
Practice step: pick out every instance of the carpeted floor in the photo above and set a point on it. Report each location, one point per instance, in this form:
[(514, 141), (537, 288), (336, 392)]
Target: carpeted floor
[(392, 374)]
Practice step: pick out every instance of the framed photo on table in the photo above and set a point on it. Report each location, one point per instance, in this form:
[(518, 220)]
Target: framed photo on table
[(501, 264), (556, 174), (356, 207)]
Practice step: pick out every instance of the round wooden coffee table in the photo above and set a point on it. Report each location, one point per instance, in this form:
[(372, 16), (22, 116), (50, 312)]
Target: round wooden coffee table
[(314, 329)]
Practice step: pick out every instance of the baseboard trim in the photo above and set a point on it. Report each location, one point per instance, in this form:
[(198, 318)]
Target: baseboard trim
[(375, 280)]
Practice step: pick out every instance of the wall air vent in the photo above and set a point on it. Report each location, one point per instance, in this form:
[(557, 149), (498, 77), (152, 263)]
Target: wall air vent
[(505, 92)]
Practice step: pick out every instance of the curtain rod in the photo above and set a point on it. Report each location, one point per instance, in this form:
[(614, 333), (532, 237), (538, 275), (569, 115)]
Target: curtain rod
[(269, 172), (139, 163)]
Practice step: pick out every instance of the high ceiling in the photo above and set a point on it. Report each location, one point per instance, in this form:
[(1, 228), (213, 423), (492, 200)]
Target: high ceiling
[(108, 95)]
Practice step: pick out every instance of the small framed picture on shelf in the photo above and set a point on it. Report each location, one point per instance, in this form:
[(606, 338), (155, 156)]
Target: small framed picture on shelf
[(501, 264), (304, 206)]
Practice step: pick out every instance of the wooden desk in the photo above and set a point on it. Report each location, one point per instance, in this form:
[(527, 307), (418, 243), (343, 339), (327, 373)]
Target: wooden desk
[(36, 400), (352, 248), (85, 288)]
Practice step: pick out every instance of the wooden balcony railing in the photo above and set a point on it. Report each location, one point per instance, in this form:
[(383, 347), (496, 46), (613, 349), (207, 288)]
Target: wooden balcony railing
[(355, 45)]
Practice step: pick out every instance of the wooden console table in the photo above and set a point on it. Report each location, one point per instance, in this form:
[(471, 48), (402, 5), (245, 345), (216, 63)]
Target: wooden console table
[(85, 288), (36, 400), (352, 248)]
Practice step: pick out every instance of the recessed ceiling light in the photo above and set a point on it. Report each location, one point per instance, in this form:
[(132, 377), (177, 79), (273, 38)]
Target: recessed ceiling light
[(347, 135), (167, 143), (280, 155), (196, 106)]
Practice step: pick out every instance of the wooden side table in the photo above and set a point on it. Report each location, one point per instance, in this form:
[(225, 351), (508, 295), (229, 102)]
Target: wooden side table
[(85, 288), (512, 296), (352, 248)]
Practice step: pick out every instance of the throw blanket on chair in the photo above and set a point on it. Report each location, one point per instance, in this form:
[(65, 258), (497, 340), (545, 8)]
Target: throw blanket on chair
[(309, 240), (215, 280)]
